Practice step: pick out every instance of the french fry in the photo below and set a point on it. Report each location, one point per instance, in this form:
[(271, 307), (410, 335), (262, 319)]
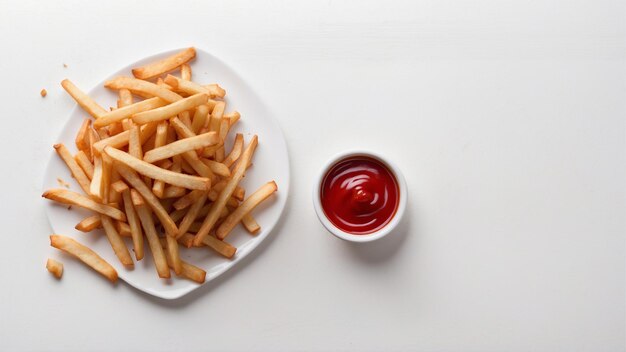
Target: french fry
[(83, 100), (123, 229), (128, 111), (168, 111), (82, 137), (93, 138), (246, 207), (239, 192), (126, 98), (133, 179), (225, 195), (233, 117), (119, 247), (83, 161), (95, 188), (76, 171), (216, 116), (72, 198), (181, 146), (199, 118), (191, 215), (188, 87), (120, 140), (85, 254), (215, 90), (188, 271), (217, 167), (107, 164), (220, 247), (250, 224), (168, 64), (235, 153), (223, 131), (144, 88), (89, 224), (55, 268), (187, 200), (143, 211), (172, 253), (102, 133), (155, 172), (134, 224), (173, 192), (185, 72), (134, 141)]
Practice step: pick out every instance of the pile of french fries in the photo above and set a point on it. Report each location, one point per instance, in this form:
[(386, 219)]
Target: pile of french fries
[(158, 169)]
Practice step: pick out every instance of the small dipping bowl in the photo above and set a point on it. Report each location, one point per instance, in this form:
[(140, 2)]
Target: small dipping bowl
[(354, 194)]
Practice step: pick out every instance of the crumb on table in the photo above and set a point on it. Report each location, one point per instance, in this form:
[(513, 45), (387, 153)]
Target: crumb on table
[(43, 92), (62, 183), (65, 65)]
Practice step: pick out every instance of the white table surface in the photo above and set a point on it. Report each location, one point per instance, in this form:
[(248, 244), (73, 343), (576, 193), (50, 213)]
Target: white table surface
[(507, 117)]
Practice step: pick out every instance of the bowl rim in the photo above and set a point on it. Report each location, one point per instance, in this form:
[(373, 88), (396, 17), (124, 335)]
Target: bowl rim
[(402, 193)]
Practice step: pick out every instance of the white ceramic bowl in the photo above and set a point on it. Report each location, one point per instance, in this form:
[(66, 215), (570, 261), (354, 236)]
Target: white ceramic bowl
[(403, 194)]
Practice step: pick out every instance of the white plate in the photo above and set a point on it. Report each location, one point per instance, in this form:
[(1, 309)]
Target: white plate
[(270, 163)]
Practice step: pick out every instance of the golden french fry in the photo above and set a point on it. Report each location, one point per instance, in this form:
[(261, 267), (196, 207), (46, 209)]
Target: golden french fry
[(85, 254), (76, 171), (126, 98), (89, 224), (82, 137), (199, 118), (250, 224), (121, 139), (134, 141), (220, 247), (107, 165), (173, 254), (83, 161), (55, 268), (119, 247), (187, 200), (188, 271), (173, 192), (72, 198), (155, 172), (133, 179), (142, 87), (147, 223), (215, 90), (83, 100), (185, 72), (181, 146), (217, 167), (96, 186), (225, 195), (168, 64), (123, 228), (216, 116), (168, 111), (219, 153), (233, 117), (246, 207), (235, 153), (189, 87), (191, 215), (134, 224), (128, 111)]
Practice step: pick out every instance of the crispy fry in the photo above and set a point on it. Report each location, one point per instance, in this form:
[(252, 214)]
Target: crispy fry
[(134, 141), (171, 252), (188, 87), (215, 90), (168, 64), (171, 110), (95, 188), (121, 140), (217, 167), (119, 186), (83, 161), (68, 197), (107, 164), (219, 153), (246, 207), (76, 171), (173, 192), (85, 254), (123, 229), (233, 117), (155, 172), (200, 118), (119, 247), (225, 195), (83, 100), (185, 72), (82, 137), (181, 146), (188, 271), (235, 153), (250, 224), (89, 224), (134, 224), (153, 240), (129, 175), (126, 98), (187, 200), (239, 192), (220, 247), (145, 88), (55, 268), (191, 215), (128, 111), (216, 116)]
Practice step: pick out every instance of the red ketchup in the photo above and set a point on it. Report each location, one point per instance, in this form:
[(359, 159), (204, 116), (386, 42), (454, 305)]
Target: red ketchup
[(359, 195)]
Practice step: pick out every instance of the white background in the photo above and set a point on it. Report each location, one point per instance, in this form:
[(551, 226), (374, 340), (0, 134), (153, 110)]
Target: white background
[(507, 117)]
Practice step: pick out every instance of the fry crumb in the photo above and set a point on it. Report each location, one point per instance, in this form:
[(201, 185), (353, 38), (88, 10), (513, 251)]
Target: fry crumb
[(63, 183), (55, 268), (65, 65), (43, 92), (69, 207)]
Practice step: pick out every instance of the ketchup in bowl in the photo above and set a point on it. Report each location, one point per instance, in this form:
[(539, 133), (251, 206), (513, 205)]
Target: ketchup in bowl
[(359, 195)]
